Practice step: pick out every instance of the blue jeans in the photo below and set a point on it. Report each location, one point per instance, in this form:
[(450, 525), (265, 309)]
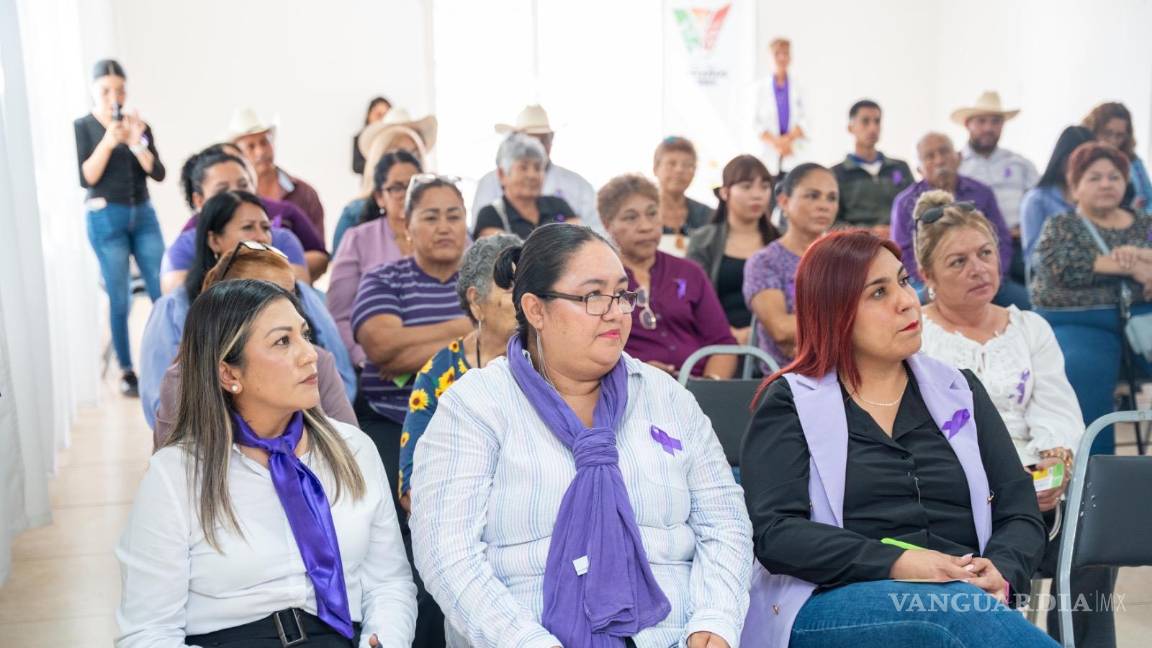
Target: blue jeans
[(117, 232), (884, 614), (1092, 346)]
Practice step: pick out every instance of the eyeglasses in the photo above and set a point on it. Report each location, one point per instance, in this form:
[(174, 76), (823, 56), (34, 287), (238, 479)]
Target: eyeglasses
[(936, 213), (395, 189), (421, 179), (250, 245), (598, 304), (647, 315)]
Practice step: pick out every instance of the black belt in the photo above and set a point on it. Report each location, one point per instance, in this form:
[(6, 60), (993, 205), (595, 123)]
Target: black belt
[(292, 627)]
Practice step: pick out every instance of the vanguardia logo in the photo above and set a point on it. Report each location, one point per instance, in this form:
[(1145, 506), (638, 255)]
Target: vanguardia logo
[(700, 28)]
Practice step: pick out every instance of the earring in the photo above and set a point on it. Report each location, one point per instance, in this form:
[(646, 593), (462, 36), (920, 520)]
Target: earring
[(931, 293), (235, 389)]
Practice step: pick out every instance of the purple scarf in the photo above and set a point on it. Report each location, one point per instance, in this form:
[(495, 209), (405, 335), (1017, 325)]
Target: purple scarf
[(310, 517), (598, 587)]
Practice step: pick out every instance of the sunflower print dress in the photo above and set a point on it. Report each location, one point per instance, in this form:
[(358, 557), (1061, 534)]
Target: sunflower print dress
[(434, 377)]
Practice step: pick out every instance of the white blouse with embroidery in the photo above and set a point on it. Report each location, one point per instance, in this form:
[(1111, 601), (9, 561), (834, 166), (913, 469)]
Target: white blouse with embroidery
[(1023, 370)]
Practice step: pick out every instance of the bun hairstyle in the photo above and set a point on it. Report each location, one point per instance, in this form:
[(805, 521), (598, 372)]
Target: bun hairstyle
[(108, 67), (534, 267), (197, 165), (929, 235)]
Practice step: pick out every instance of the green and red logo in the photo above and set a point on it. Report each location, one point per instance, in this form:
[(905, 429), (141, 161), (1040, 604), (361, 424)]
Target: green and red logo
[(700, 28)]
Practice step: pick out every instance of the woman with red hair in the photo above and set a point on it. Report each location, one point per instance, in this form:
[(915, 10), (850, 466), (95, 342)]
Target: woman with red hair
[(868, 466)]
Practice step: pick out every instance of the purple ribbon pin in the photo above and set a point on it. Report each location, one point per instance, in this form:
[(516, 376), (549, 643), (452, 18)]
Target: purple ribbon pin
[(1007, 172), (959, 418), (670, 444), (897, 177), (681, 288), (1021, 385)]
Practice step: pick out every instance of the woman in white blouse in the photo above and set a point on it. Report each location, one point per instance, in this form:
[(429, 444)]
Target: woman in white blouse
[(568, 494), (261, 521), (1015, 354)]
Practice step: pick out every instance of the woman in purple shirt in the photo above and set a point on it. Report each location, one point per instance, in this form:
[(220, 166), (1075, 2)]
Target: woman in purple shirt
[(381, 237), (677, 311)]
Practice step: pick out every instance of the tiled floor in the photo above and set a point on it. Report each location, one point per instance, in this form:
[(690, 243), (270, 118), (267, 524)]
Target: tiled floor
[(65, 581)]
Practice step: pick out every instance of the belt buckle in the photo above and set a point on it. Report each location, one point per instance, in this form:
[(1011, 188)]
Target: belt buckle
[(284, 641)]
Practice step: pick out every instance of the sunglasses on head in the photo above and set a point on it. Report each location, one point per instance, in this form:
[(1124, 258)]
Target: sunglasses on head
[(247, 245), (936, 213), (421, 179)]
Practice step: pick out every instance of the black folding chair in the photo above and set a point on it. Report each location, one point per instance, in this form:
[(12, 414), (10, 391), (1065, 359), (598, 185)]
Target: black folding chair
[(726, 403), (1108, 521)]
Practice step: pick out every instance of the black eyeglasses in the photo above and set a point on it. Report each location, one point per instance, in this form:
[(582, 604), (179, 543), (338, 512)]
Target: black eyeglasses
[(250, 245), (598, 304), (936, 213)]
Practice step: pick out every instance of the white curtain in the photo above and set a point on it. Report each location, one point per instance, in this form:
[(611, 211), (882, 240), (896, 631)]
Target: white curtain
[(52, 316)]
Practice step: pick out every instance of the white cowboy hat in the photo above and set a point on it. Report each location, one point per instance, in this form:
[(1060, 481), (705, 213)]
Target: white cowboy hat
[(245, 121), (987, 104), (533, 120), (397, 121)]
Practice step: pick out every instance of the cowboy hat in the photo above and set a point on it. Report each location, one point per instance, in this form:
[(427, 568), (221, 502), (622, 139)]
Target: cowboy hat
[(533, 120), (397, 122), (987, 104), (245, 121)]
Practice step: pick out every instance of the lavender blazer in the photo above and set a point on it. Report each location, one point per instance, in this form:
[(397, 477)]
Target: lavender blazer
[(776, 599)]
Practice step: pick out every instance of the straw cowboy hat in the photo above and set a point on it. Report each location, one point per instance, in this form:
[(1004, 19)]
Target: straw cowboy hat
[(396, 122), (533, 120), (987, 104), (245, 121)]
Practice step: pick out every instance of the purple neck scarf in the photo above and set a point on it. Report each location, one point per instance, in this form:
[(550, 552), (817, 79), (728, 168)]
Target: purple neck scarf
[(310, 517), (598, 587)]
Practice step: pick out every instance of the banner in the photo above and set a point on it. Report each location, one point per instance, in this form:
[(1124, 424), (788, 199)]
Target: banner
[(709, 68)]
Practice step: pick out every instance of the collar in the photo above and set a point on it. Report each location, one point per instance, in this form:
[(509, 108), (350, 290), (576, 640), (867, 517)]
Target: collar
[(856, 161), (285, 180)]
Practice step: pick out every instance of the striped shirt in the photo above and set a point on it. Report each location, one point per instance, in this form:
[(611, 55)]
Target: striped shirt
[(487, 484), (404, 290)]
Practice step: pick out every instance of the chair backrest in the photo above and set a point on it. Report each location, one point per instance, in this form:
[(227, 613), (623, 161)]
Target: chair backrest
[(726, 349), (1107, 521), (727, 404)]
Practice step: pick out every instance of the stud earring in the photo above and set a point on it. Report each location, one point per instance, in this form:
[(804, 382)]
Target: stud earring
[(235, 389)]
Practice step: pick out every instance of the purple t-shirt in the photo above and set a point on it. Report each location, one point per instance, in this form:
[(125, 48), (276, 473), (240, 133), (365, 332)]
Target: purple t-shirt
[(182, 252), (688, 314), (288, 216), (404, 290), (782, 110), (773, 268)]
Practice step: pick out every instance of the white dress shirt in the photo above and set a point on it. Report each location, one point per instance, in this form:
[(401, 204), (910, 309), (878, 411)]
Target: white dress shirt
[(558, 182), (175, 584), (487, 486), (1009, 174), (1023, 371)]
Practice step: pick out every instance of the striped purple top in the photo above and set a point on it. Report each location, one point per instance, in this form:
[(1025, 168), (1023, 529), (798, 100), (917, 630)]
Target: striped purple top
[(404, 290)]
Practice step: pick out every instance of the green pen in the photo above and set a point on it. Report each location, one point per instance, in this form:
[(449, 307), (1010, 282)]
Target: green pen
[(899, 543)]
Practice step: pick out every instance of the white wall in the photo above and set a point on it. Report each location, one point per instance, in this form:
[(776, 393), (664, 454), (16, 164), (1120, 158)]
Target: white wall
[(314, 64), (1054, 59)]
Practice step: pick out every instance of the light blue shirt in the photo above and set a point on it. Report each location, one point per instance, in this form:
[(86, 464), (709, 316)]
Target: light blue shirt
[(487, 485), (161, 343), (1038, 205)]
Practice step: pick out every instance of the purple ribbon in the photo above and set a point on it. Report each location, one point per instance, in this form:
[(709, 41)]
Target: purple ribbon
[(670, 444), (897, 176), (1021, 385), (959, 418), (1007, 172), (309, 516), (681, 288)]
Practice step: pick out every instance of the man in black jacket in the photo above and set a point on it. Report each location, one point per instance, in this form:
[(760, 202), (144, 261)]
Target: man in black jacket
[(869, 181)]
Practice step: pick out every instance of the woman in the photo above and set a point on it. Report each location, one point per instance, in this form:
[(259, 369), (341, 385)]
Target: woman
[(261, 517), (1078, 287), (1015, 356), (678, 312), (1111, 123), (117, 154), (740, 228), (1051, 196), (408, 310), (527, 527), (674, 165), (809, 199), (520, 166), (378, 107), (892, 433), (207, 174), (380, 238), (227, 220), (489, 308), (251, 260)]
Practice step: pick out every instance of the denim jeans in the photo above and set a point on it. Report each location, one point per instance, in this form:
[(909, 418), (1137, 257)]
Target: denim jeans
[(117, 232), (884, 614), (1091, 341)]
